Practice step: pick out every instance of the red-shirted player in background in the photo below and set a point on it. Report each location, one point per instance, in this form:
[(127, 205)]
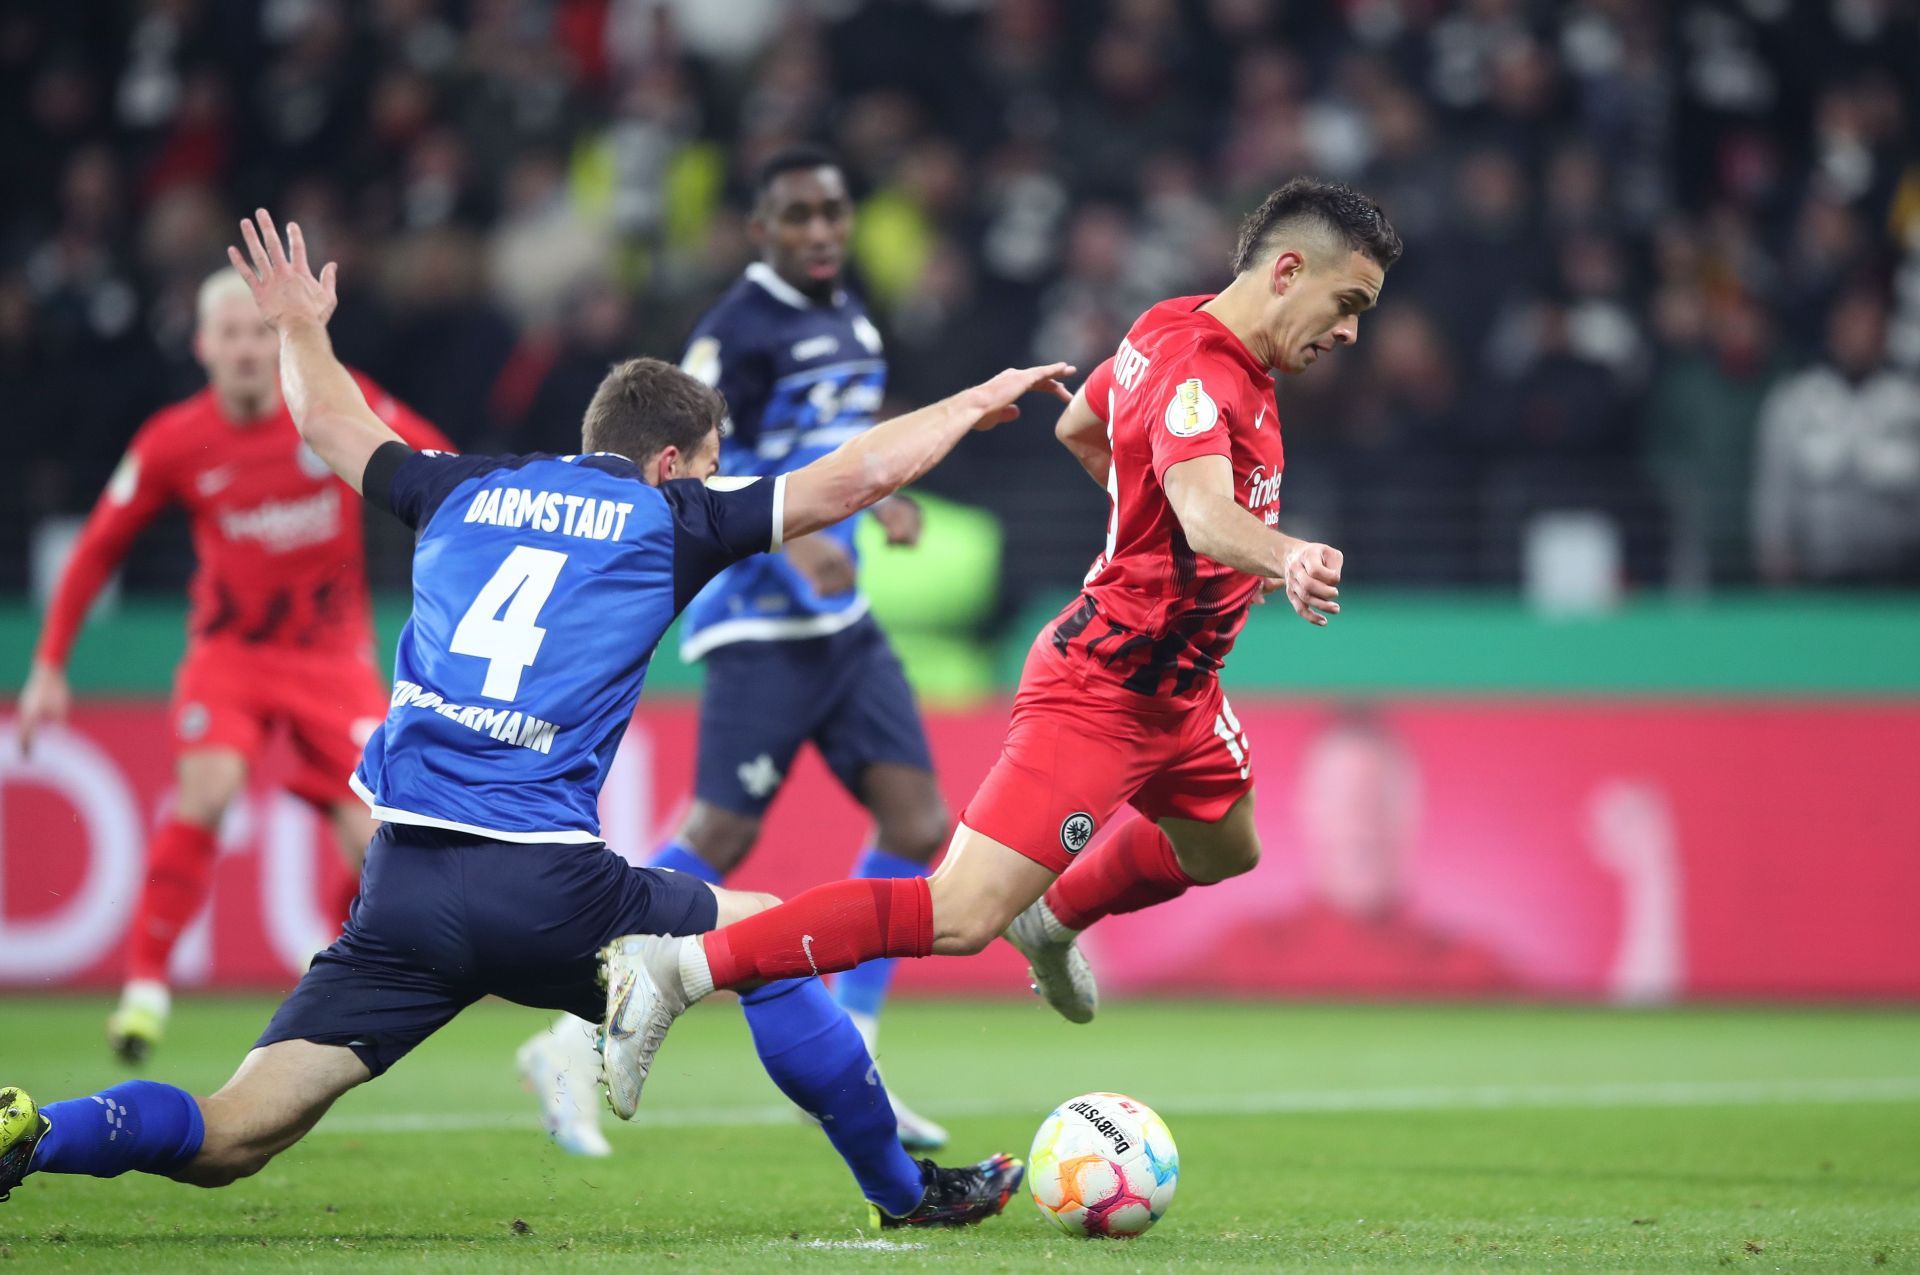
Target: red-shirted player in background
[(1120, 701), (281, 631)]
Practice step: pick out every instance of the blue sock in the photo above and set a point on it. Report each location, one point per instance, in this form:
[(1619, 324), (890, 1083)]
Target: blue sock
[(137, 1124), (817, 1058), (679, 856), (862, 989)]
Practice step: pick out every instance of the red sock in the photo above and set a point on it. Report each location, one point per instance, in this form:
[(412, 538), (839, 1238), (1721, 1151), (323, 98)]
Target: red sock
[(826, 929), (1133, 868), (338, 885), (179, 869)]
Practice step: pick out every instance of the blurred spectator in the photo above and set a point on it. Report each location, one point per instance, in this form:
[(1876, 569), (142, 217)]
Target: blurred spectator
[(1358, 933), (1836, 493), (1698, 426), (1620, 217)]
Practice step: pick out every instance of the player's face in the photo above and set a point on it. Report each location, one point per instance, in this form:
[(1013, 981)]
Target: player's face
[(802, 226), (1316, 308), (1359, 802), (239, 351)]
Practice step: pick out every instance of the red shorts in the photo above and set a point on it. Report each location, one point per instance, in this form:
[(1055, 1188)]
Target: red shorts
[(1078, 748), (226, 695)]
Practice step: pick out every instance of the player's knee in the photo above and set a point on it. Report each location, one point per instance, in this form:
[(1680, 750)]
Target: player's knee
[(738, 905), (202, 805), (722, 838), (916, 835), (1220, 861)]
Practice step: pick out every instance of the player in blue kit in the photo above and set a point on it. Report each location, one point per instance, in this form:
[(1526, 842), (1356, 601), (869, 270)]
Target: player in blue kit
[(541, 585), (792, 654)]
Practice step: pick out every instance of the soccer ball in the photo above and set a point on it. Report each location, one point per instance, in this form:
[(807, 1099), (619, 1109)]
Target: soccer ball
[(1103, 1164)]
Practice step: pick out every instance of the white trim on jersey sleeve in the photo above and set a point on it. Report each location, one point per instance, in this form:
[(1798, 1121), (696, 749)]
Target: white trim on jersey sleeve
[(388, 814), (772, 629), (718, 483)]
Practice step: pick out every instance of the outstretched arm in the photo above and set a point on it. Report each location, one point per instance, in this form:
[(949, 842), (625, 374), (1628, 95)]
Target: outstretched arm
[(1201, 493), (327, 405), (894, 453)]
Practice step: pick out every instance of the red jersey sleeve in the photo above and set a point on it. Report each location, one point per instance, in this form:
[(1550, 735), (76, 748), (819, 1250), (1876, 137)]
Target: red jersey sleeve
[(418, 432), (1098, 390), (140, 488), (1187, 411)]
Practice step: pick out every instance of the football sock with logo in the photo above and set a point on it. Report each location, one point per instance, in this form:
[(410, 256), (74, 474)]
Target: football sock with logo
[(824, 930), (816, 1057), (179, 868), (136, 1125), (863, 989), (1133, 868), (679, 856)]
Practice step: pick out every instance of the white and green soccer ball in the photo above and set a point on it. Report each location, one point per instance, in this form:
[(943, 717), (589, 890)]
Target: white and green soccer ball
[(1103, 1164)]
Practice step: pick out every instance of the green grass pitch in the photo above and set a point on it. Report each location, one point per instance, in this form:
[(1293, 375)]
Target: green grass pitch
[(1369, 1138)]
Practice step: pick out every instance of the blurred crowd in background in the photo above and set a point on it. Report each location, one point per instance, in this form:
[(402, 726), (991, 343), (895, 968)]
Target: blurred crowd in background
[(1662, 264)]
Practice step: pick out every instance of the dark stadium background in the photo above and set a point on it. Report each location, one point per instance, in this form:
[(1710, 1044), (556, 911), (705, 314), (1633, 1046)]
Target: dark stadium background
[(1631, 554)]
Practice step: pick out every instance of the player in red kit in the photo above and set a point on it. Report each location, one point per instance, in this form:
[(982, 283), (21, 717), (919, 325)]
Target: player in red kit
[(280, 634), (1120, 701)]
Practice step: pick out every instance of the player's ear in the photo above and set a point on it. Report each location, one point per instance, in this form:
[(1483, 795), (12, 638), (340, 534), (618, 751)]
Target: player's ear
[(1285, 269), (664, 463)]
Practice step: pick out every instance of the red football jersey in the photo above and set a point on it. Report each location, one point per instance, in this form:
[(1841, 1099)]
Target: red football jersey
[(278, 538), (1154, 616)]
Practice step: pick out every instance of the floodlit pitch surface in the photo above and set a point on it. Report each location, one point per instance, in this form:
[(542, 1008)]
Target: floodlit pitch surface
[(1367, 1138)]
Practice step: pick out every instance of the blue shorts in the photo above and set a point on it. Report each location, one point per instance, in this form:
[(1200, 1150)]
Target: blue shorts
[(845, 692), (444, 918)]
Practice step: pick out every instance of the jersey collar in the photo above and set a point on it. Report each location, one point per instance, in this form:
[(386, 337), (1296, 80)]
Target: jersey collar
[(780, 290)]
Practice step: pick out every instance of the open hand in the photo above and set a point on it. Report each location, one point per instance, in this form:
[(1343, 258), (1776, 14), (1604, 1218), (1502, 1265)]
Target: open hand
[(900, 517), (44, 699), (284, 286), (825, 563), (1313, 582), (994, 402)]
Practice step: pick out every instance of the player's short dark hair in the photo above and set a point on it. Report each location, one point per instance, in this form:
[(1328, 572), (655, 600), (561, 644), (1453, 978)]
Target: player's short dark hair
[(644, 406), (1353, 218), (799, 157)]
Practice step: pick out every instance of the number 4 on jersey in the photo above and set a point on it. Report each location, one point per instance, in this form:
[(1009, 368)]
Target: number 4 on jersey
[(509, 643)]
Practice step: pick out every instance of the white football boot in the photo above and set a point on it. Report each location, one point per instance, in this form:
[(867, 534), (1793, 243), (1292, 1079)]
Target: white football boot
[(646, 990), (1060, 972), (561, 1067)]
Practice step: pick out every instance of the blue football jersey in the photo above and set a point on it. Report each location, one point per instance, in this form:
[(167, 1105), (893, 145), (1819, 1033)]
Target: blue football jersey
[(541, 585), (800, 377)]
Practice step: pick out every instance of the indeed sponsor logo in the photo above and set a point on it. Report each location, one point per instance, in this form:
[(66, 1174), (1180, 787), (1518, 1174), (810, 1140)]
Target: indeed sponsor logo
[(281, 525)]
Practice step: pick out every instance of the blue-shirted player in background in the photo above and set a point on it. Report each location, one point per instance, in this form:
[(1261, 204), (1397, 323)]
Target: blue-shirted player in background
[(541, 585), (792, 655)]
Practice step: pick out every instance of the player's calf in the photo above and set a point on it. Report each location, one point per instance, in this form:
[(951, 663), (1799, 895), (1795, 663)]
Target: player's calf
[(275, 1098)]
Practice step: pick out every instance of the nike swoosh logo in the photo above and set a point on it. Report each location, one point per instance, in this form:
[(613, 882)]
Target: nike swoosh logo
[(1258, 417), (614, 1030), (806, 946)]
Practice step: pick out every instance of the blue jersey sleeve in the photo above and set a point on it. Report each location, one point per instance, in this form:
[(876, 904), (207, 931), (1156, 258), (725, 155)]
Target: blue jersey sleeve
[(716, 524), (411, 485), (740, 370)]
